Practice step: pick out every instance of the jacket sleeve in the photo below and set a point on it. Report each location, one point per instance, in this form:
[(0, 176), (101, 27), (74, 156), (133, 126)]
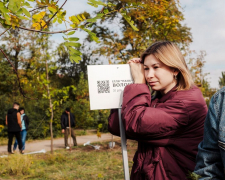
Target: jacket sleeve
[(209, 161), (113, 122), (145, 123), (62, 122)]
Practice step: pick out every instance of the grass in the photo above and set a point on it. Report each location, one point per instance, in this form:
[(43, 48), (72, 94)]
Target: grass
[(78, 132), (81, 163)]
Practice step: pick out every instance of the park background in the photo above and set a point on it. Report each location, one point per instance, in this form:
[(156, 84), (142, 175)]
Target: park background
[(52, 79), (195, 27)]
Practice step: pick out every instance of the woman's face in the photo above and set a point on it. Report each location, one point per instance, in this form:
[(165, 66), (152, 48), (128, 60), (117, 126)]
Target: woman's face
[(158, 75), (22, 112)]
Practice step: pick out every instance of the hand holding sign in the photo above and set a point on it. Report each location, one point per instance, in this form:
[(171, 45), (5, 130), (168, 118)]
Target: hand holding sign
[(137, 70)]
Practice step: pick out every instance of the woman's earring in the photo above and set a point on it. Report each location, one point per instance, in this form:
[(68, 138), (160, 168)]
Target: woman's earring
[(175, 77)]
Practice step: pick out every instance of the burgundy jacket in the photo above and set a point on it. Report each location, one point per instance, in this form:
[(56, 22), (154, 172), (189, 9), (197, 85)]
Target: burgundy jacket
[(168, 130)]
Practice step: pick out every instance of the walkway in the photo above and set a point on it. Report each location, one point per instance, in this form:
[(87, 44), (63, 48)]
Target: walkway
[(59, 143)]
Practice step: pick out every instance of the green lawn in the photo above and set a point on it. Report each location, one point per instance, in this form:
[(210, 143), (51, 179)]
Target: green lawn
[(81, 163)]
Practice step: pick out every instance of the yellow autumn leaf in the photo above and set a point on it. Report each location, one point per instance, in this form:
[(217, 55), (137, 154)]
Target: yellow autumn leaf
[(39, 16), (83, 17), (37, 26), (43, 24), (14, 21)]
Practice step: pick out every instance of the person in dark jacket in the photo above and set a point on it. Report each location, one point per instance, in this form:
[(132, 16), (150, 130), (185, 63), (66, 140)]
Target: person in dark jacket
[(169, 125), (67, 128), (13, 121), (23, 133)]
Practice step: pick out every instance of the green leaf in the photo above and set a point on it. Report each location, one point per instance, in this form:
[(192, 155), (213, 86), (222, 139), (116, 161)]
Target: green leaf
[(96, 3), (92, 35), (70, 33), (53, 10), (128, 19), (72, 44), (3, 8), (73, 39), (14, 5), (100, 15), (27, 5), (20, 11), (23, 17), (59, 21), (26, 12), (106, 11), (74, 51), (75, 58), (92, 20), (7, 19)]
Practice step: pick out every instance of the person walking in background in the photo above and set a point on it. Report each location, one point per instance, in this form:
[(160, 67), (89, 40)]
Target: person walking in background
[(13, 121), (23, 133), (66, 126), (211, 151)]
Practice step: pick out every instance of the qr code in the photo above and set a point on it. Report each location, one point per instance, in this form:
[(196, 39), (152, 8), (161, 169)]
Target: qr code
[(103, 86)]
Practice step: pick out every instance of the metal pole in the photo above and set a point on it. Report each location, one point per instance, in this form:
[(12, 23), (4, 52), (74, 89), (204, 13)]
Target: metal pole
[(70, 130), (124, 148)]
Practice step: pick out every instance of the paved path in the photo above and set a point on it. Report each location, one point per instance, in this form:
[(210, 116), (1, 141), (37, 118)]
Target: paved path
[(59, 143)]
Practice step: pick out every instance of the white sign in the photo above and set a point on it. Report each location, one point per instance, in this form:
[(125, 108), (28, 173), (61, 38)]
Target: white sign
[(106, 82)]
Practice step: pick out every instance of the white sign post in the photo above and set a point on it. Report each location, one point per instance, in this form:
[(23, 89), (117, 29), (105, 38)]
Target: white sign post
[(106, 84)]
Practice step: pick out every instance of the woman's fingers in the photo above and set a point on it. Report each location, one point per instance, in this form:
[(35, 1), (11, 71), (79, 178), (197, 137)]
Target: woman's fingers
[(134, 60)]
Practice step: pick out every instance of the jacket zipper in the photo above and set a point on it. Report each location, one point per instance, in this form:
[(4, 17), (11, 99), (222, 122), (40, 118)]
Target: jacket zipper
[(221, 144)]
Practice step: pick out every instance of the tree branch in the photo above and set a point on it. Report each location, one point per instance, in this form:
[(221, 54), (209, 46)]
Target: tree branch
[(21, 90), (41, 7), (5, 31), (54, 14), (38, 8), (46, 32)]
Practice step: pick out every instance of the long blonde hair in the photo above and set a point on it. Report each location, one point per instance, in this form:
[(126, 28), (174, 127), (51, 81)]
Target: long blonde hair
[(169, 54)]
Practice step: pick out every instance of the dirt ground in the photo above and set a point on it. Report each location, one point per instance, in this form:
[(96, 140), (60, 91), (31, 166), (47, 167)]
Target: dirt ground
[(59, 143)]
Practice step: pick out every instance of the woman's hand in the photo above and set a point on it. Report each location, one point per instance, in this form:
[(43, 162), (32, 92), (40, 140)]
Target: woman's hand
[(137, 70)]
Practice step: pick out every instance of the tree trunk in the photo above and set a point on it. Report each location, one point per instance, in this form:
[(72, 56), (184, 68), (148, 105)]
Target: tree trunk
[(50, 105)]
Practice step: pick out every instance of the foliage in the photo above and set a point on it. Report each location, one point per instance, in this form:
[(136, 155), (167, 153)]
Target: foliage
[(68, 86), (98, 130), (1, 128), (222, 80), (44, 12), (155, 20), (196, 65)]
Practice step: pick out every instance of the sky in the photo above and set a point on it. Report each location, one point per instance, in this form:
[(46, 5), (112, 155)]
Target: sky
[(206, 18)]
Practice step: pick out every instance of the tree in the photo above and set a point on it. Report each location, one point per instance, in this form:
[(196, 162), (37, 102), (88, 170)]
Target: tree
[(155, 20), (222, 80), (46, 12), (196, 65), (14, 11)]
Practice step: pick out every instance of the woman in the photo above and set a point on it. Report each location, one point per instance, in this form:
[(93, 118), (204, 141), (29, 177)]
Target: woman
[(167, 126), (23, 133)]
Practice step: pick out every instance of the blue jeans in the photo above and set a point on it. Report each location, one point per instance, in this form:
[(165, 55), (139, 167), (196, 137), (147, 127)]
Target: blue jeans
[(23, 134)]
